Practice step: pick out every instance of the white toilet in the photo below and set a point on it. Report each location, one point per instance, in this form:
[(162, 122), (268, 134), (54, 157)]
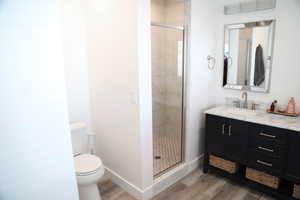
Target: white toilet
[(89, 168)]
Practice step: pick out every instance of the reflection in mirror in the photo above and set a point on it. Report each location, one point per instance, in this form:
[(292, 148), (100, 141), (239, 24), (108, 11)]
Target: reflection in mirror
[(248, 55)]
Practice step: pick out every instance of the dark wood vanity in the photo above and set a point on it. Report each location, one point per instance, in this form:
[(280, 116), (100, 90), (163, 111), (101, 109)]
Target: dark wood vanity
[(269, 149)]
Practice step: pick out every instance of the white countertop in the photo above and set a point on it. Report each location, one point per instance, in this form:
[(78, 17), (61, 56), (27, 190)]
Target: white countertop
[(257, 116)]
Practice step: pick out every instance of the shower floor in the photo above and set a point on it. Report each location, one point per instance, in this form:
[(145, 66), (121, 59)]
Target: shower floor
[(167, 152)]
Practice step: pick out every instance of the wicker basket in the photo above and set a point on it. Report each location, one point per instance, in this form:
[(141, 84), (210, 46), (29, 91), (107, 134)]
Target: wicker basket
[(262, 178), (296, 193), (226, 165)]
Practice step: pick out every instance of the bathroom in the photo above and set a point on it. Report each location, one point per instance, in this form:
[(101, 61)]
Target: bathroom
[(142, 81)]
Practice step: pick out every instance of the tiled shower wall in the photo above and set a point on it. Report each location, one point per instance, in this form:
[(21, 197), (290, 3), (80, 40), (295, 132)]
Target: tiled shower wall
[(167, 81)]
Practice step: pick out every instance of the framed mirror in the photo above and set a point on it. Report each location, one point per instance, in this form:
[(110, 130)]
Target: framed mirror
[(248, 49)]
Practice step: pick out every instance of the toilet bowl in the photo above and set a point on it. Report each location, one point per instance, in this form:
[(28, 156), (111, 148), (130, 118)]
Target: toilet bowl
[(89, 169)]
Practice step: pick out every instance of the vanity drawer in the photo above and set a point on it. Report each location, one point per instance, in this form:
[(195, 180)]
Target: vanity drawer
[(269, 133), (261, 161), (267, 147)]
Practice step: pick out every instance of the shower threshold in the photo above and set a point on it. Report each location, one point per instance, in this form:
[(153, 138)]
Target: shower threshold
[(159, 174)]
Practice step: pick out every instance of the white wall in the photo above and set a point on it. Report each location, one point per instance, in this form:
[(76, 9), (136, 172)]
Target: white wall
[(107, 77), (145, 91), (201, 81), (285, 71), (75, 56), (36, 158), (112, 41)]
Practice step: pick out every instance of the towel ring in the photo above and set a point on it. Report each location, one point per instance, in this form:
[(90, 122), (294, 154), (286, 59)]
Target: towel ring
[(211, 62)]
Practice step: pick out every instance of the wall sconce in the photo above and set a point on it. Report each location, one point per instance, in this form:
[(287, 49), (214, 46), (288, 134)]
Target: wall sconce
[(249, 6)]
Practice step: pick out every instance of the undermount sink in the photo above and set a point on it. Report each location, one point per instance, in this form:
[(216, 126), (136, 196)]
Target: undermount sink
[(241, 111)]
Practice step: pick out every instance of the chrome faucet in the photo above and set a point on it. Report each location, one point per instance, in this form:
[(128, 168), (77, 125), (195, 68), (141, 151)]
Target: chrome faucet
[(245, 95)]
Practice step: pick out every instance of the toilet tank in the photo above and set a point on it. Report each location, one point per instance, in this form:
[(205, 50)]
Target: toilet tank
[(79, 135)]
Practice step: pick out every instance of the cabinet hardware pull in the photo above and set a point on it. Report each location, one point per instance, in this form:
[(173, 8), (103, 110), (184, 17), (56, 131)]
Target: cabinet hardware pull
[(267, 135), (223, 129), (266, 149), (229, 130), (264, 163)]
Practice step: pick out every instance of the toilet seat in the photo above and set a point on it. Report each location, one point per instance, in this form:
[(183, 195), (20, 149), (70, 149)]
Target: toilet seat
[(87, 164)]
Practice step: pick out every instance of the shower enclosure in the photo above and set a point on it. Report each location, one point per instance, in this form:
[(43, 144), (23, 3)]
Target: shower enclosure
[(167, 83)]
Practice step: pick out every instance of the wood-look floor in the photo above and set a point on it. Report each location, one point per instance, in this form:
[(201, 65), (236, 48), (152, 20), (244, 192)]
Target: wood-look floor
[(196, 186)]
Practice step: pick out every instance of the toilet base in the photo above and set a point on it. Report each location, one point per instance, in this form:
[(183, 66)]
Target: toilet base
[(89, 192)]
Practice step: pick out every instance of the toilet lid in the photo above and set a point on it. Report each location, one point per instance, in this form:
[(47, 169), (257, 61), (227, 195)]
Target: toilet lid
[(86, 164)]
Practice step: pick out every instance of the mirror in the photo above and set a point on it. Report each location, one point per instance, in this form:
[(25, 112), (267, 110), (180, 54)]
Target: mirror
[(248, 51)]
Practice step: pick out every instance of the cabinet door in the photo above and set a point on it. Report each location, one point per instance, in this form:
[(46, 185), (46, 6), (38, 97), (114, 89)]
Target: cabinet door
[(215, 135), (293, 167), (236, 140)]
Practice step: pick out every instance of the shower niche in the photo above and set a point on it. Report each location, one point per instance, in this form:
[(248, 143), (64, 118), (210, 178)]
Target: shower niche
[(168, 48)]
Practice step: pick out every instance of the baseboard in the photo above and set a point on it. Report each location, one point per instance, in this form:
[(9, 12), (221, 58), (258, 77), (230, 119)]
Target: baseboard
[(159, 184), (125, 185), (196, 163)]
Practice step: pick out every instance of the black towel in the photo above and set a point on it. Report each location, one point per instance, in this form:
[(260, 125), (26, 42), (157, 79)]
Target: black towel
[(259, 74), (225, 71)]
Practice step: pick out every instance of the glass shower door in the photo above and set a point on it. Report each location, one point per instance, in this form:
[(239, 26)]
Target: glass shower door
[(167, 91)]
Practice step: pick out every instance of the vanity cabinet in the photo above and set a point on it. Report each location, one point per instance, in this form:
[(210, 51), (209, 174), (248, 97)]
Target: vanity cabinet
[(229, 136), (267, 148), (275, 151), (293, 164), (269, 133)]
